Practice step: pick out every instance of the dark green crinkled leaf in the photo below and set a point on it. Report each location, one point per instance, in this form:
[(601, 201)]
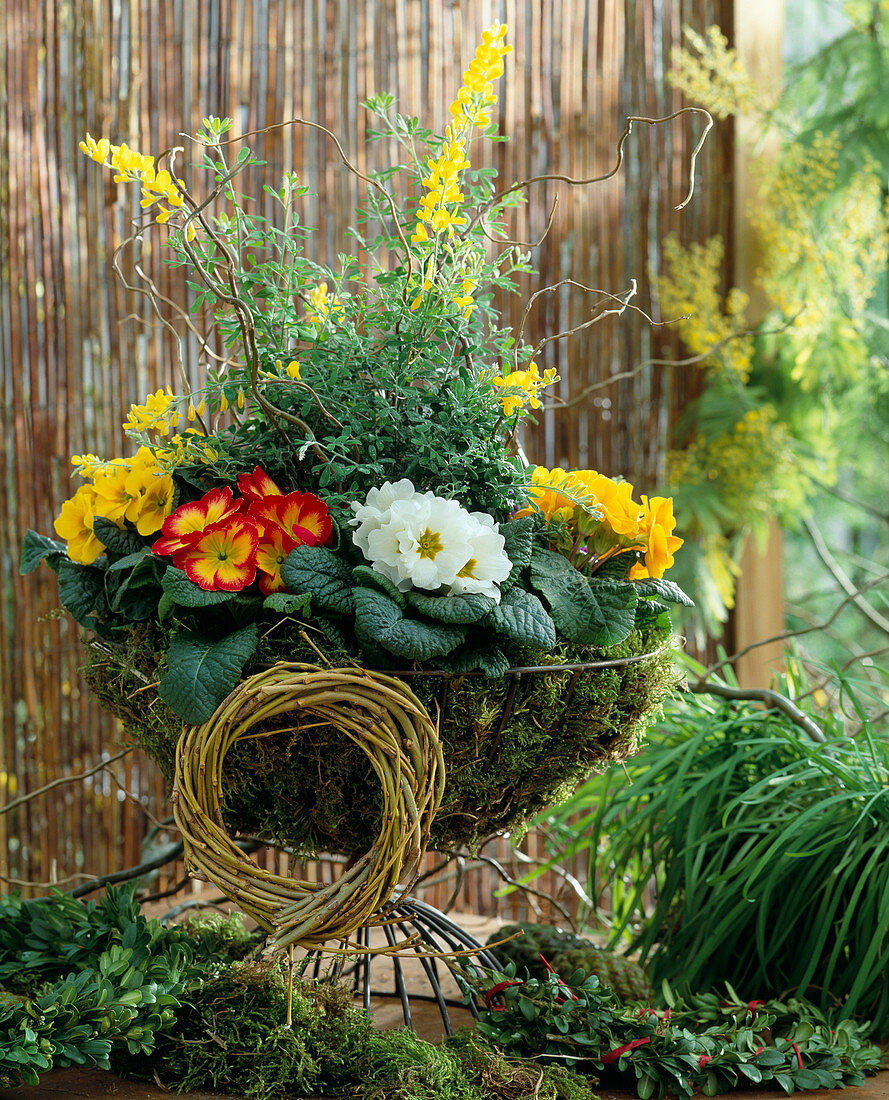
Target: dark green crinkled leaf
[(287, 604), (598, 613), (82, 591), (522, 617), (37, 547), (518, 540), (382, 620), (363, 574), (188, 594), (119, 540), (667, 590), (468, 608), (202, 672), (490, 659), (325, 577), (653, 612), (132, 560)]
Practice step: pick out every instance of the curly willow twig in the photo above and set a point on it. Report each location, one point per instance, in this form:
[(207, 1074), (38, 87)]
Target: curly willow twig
[(384, 718)]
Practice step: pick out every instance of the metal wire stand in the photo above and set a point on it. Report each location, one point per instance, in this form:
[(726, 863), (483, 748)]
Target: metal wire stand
[(435, 932)]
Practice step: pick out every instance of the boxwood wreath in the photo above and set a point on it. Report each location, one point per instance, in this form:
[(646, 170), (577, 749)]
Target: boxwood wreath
[(345, 488)]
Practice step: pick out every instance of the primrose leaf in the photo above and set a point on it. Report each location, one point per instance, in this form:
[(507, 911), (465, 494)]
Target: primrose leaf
[(589, 613), (522, 617), (383, 621), (488, 658), (320, 573), (518, 541), (667, 590), (82, 591), (119, 540), (285, 603), (364, 575), (202, 672), (466, 608), (37, 547), (186, 593)]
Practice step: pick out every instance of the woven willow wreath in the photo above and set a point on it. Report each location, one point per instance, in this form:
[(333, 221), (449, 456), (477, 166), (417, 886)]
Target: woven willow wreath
[(387, 721)]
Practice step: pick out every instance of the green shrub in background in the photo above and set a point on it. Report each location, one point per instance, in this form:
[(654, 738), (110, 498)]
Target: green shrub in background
[(769, 851)]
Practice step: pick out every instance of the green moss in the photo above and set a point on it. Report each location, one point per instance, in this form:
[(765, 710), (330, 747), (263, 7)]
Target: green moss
[(229, 1036), (316, 791)]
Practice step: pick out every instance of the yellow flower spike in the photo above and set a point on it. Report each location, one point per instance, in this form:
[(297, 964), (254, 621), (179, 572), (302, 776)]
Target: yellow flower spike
[(293, 369), (201, 408), (192, 413), (242, 400), (223, 402)]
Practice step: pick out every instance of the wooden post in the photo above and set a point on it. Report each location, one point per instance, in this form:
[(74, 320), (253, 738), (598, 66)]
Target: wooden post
[(759, 600)]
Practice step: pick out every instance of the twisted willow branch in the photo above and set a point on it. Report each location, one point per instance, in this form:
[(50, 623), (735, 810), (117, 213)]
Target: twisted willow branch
[(384, 718)]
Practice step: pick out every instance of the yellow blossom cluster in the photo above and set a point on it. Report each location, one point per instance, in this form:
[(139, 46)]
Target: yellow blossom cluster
[(476, 94), (603, 519), (752, 467), (470, 108), (820, 266), (522, 387), (158, 185), (186, 449), (323, 306), (709, 326), (158, 414), (712, 75), (135, 489)]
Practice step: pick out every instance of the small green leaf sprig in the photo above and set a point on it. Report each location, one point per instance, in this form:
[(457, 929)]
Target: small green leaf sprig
[(710, 1042)]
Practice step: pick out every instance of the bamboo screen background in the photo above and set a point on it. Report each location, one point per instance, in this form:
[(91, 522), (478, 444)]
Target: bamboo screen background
[(76, 349)]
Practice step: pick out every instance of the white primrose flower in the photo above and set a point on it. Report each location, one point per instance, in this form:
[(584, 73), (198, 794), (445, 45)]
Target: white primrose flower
[(424, 544), (423, 541), (371, 515), (488, 564)]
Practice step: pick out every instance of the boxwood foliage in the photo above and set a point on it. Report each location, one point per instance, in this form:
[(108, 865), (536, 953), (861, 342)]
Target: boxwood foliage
[(98, 984)]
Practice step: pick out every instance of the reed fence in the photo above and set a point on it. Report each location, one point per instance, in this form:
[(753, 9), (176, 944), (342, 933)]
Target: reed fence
[(76, 349)]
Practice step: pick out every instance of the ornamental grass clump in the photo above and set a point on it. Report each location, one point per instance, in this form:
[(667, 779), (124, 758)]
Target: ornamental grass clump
[(344, 489), (769, 852)]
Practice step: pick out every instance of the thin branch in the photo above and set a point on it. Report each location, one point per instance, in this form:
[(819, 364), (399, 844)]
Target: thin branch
[(841, 494), (527, 244), (790, 633), (773, 700), (842, 577), (513, 882), (42, 885), (365, 179), (169, 855), (628, 129), (65, 779)]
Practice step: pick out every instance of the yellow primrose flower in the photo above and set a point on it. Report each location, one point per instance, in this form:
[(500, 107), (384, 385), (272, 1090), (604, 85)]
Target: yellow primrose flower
[(113, 498), (658, 524), (614, 502), (154, 504), (545, 494), (75, 524)]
